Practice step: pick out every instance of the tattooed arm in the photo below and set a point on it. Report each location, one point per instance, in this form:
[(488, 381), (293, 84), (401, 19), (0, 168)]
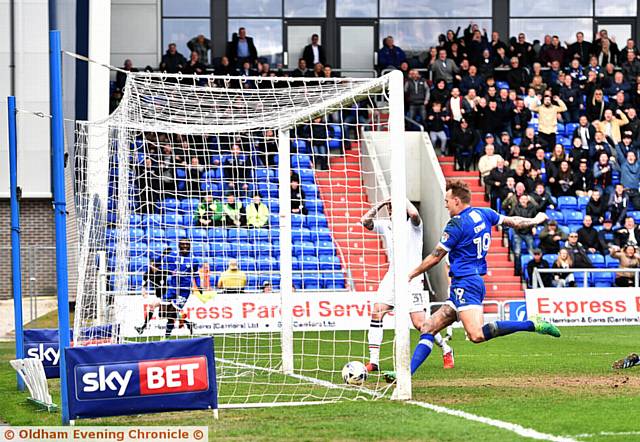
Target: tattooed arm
[(430, 261), (518, 222), (367, 219)]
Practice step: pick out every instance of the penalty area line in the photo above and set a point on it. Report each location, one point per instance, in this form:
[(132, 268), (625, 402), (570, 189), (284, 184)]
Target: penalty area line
[(514, 428)]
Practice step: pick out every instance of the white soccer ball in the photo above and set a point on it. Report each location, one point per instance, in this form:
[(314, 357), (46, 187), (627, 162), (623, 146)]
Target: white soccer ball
[(354, 373)]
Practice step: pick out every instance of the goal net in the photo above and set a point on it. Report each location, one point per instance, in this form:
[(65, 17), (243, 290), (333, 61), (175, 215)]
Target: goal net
[(230, 207)]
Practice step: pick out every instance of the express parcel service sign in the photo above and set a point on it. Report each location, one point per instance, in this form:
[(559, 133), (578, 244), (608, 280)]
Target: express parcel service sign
[(586, 306), (113, 380)]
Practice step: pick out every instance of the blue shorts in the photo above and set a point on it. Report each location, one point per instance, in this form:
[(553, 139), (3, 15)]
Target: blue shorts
[(466, 292), (177, 297)]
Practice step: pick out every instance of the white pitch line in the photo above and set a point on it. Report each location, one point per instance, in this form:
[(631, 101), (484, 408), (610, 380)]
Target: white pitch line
[(514, 428), (607, 433)]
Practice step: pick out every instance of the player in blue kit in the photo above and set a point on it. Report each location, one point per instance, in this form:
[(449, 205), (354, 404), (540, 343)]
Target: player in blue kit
[(182, 270), (466, 239)]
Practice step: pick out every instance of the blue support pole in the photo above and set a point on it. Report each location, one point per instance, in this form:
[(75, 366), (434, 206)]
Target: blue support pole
[(16, 269), (60, 209)]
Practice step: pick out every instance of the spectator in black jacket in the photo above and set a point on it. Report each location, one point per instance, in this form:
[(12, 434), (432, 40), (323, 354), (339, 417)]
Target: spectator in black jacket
[(436, 120), (241, 48), (297, 199), (172, 61), (585, 131), (463, 142), (416, 91), (121, 77), (538, 263), (551, 237), (618, 205), (572, 97), (526, 209), (597, 207), (319, 143), (581, 49), (578, 252), (583, 179), (517, 77), (496, 181), (588, 236), (314, 53), (607, 235), (237, 170), (520, 117), (542, 198)]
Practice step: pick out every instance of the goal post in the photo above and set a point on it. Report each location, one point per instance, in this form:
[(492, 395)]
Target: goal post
[(230, 207)]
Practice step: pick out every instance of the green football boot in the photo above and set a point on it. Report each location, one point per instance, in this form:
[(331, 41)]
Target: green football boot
[(544, 327)]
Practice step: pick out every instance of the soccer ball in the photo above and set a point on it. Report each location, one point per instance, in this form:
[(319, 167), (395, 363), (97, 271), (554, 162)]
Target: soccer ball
[(354, 373)]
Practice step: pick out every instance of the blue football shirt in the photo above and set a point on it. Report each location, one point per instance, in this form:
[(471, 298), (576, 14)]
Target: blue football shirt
[(467, 238)]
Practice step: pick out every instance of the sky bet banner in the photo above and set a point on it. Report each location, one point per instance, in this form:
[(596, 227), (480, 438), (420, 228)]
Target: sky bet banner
[(42, 343), (113, 380), (216, 313), (586, 306)]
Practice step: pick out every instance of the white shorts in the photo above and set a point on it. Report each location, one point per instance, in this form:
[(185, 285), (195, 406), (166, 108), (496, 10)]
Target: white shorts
[(385, 293)]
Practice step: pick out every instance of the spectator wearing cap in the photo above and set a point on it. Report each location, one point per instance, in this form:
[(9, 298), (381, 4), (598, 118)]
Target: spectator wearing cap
[(232, 280), (552, 237), (538, 263), (628, 233), (596, 207), (618, 206), (548, 118), (390, 55), (463, 143), (578, 252), (630, 176), (606, 235), (588, 236), (629, 259)]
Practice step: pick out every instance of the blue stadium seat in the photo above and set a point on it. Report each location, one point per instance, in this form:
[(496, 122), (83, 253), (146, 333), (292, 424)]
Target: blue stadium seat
[(138, 250), (247, 264), (155, 234), (556, 215), (274, 220), (268, 264), (333, 281), (171, 220), (569, 128), (135, 282), (200, 249), (242, 250), (315, 221), (580, 278), (252, 282), (152, 221), (306, 176), (611, 262), (311, 191), (329, 262), (211, 174), (198, 234), (258, 235), (321, 234), (189, 205), (297, 280), (583, 201), (217, 233), (311, 281), (604, 279), (268, 190), (273, 204), (297, 220), (550, 258), (635, 214), (502, 85), (299, 146), (274, 279), (314, 205), (597, 260), (326, 248), (524, 260), (298, 235), (337, 130), (156, 248), (238, 234), (138, 264), (573, 217), (300, 161), (136, 234), (214, 189), (169, 205), (174, 234), (304, 248), (262, 174), (135, 220), (310, 263), (567, 202)]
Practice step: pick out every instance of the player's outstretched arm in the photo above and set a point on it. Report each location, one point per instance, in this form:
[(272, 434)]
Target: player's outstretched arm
[(430, 261), (367, 218), (519, 222), (413, 214)]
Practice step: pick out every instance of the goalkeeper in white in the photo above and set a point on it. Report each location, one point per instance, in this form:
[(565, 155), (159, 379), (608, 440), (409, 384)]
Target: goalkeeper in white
[(385, 300)]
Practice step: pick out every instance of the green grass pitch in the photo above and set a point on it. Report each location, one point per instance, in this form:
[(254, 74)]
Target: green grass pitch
[(561, 387)]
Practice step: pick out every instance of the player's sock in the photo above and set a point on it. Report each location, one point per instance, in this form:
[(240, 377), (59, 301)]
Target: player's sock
[(438, 339), (422, 351), (375, 340), (503, 328), (169, 327)]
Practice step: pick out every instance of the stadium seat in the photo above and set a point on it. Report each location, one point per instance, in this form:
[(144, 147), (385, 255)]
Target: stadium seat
[(268, 190), (267, 264), (171, 220), (597, 260), (135, 220), (311, 281), (306, 176), (258, 235), (138, 250), (263, 174), (329, 262), (274, 205), (550, 258), (321, 234), (635, 214), (567, 202), (315, 221), (173, 234), (211, 174), (304, 248), (502, 85), (297, 280), (243, 250), (237, 234), (217, 233), (583, 201), (155, 234), (300, 161), (573, 217), (199, 249), (169, 205), (611, 262), (297, 220), (298, 235), (135, 282), (136, 234), (326, 248), (274, 220), (274, 279), (580, 279), (605, 279), (252, 282), (189, 205), (556, 215), (138, 264), (337, 130), (314, 205), (263, 249), (310, 263), (310, 191), (333, 281), (524, 260), (198, 234), (214, 189), (247, 264), (299, 146), (156, 248), (152, 221), (569, 128)]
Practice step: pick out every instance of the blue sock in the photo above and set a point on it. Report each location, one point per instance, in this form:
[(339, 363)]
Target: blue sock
[(503, 328), (422, 351)]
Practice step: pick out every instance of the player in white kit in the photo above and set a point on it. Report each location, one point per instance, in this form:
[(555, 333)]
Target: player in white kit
[(385, 297)]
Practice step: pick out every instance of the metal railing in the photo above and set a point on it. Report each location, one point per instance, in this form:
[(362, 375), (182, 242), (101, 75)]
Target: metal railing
[(538, 283)]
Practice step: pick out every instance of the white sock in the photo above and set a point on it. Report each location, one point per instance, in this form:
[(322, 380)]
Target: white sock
[(438, 339), (375, 340), (445, 348)]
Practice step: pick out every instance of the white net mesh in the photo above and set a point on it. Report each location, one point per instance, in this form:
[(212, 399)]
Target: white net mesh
[(187, 195)]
